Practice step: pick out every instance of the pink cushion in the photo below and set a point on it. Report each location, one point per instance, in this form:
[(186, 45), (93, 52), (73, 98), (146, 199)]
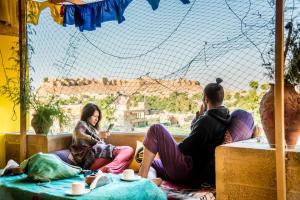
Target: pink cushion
[(100, 162), (122, 158)]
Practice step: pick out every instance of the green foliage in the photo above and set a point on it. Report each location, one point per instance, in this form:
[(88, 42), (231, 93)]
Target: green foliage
[(253, 85), (176, 102), (155, 103), (11, 88), (264, 87), (227, 96), (291, 56), (293, 73), (83, 99), (237, 96), (107, 104), (197, 96), (133, 100), (181, 103), (248, 100), (107, 108), (47, 110)]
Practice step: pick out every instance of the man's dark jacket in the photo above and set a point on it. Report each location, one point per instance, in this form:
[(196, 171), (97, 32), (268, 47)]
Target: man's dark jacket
[(207, 132)]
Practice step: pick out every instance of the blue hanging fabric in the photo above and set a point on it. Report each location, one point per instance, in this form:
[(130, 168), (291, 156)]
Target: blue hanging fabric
[(91, 15), (155, 3), (185, 1)]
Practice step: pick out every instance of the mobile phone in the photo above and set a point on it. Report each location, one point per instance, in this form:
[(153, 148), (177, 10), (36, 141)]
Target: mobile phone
[(109, 127)]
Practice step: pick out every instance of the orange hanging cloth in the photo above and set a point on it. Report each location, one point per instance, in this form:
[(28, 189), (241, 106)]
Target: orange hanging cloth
[(34, 10)]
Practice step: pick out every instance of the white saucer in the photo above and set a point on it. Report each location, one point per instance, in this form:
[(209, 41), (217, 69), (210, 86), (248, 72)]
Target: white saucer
[(135, 178), (69, 192)]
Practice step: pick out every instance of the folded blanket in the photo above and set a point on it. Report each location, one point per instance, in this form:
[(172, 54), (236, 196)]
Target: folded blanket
[(46, 167)]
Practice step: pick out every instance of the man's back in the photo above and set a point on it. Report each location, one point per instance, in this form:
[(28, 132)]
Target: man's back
[(207, 133)]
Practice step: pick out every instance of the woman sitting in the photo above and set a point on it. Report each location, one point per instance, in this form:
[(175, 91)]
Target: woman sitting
[(193, 160), (89, 149)]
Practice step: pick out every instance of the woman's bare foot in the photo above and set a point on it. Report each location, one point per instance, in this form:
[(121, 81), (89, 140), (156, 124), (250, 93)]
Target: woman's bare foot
[(157, 181)]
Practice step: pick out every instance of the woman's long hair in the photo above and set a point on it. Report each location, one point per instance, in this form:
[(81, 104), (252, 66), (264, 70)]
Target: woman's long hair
[(88, 111)]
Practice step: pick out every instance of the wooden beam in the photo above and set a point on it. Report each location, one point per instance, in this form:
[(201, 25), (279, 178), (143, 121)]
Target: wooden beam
[(279, 102), (23, 75)]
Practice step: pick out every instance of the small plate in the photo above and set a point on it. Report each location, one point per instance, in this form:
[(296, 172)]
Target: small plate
[(135, 178), (69, 192)]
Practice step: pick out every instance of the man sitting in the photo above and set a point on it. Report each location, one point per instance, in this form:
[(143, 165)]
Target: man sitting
[(193, 160)]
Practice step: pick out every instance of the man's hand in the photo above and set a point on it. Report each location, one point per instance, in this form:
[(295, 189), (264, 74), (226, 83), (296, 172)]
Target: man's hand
[(227, 138), (201, 111)]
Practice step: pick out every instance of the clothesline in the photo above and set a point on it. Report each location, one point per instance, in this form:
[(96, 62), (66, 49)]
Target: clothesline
[(84, 14)]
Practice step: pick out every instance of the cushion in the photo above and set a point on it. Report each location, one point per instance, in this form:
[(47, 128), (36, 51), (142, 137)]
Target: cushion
[(241, 126), (65, 155), (100, 162), (46, 167), (123, 156), (138, 157)]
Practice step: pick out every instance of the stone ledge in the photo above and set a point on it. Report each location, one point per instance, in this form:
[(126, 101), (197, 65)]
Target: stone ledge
[(246, 170), (35, 144), (48, 143)]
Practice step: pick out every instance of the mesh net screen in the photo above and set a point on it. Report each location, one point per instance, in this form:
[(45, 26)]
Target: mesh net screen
[(152, 67)]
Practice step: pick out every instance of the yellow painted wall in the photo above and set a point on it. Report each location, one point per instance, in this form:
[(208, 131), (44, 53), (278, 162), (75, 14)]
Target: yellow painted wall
[(6, 107)]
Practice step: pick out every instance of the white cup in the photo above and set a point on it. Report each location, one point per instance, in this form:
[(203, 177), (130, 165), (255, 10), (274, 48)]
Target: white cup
[(128, 174), (78, 187)]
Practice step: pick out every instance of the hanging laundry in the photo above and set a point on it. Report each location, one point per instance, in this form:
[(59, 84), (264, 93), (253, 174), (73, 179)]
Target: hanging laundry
[(89, 16), (84, 14), (76, 2), (34, 10), (155, 3)]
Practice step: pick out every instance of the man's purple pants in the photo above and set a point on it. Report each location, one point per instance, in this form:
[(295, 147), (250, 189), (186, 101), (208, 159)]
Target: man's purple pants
[(173, 165)]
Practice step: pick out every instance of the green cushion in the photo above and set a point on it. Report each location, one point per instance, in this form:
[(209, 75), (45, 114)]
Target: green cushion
[(46, 167)]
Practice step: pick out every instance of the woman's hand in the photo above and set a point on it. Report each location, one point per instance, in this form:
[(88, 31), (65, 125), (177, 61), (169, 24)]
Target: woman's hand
[(104, 134)]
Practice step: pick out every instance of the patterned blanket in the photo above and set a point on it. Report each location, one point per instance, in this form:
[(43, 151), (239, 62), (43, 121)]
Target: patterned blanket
[(176, 192)]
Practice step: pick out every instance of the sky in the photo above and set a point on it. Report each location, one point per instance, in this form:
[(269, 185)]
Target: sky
[(202, 40)]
